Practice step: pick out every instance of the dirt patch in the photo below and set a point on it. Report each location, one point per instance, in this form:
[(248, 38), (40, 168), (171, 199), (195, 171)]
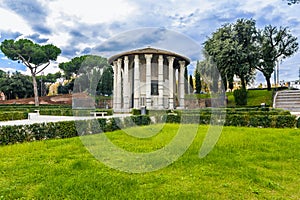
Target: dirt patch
[(47, 100)]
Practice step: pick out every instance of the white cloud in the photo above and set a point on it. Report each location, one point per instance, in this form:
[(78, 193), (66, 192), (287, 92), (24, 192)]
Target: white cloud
[(76, 25), (10, 21), (89, 12)]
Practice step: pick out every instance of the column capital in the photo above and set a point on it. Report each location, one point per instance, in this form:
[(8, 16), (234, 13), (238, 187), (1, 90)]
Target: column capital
[(125, 58), (136, 57), (119, 61), (171, 58), (160, 58), (148, 56), (182, 63)]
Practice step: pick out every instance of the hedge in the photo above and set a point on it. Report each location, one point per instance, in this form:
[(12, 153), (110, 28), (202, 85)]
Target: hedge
[(66, 129), (17, 115), (268, 121), (26, 133)]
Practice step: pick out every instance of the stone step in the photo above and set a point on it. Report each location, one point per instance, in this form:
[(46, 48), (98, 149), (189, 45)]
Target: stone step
[(290, 91), (288, 99), (286, 105), (291, 109), (288, 95)]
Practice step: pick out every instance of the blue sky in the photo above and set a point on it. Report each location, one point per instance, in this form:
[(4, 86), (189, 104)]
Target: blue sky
[(83, 27)]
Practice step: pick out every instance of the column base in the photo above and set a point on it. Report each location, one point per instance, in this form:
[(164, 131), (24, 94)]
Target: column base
[(122, 110), (148, 103)]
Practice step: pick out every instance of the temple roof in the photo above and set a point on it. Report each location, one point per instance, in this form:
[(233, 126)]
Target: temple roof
[(148, 50)]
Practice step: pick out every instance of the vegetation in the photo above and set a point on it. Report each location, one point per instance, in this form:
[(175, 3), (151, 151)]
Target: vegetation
[(255, 98), (34, 56), (240, 97), (240, 48), (191, 85), (198, 85), (93, 74), (229, 117), (291, 2), (246, 163), (275, 44), (15, 85)]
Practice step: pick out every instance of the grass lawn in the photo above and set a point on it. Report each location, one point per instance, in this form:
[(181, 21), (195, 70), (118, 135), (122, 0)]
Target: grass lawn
[(255, 98), (246, 163)]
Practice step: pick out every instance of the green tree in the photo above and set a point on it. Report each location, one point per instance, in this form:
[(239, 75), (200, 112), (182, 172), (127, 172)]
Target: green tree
[(198, 84), (62, 89), (209, 72), (105, 85), (34, 56), (186, 78), (234, 49), (291, 2), (82, 65), (191, 84), (16, 85), (274, 44), (87, 70)]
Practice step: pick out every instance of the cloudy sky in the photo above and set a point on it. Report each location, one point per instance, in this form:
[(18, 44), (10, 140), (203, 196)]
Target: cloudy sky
[(108, 27)]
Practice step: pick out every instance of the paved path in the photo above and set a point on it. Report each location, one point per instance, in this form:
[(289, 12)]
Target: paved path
[(50, 118), (297, 114)]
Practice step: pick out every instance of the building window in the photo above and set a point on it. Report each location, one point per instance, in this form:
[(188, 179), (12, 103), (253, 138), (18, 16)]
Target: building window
[(154, 87)]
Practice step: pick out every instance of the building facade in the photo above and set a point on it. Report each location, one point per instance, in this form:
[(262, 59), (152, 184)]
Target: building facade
[(148, 77)]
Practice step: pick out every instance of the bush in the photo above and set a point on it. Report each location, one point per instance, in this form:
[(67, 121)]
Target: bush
[(236, 120), (298, 123), (240, 97), (137, 120), (18, 134), (171, 118), (18, 115), (138, 112), (260, 121), (283, 121)]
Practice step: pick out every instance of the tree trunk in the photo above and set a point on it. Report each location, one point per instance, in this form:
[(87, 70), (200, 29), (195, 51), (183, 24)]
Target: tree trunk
[(35, 91), (268, 82)]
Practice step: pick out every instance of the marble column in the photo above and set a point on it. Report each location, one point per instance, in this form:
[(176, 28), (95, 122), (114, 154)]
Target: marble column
[(148, 80), (171, 82), (181, 84), (161, 82), (136, 82), (126, 85), (119, 85), (115, 85)]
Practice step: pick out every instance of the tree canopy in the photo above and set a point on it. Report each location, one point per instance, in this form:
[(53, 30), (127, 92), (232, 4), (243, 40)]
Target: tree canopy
[(233, 49), (240, 48), (93, 74), (291, 2), (275, 44), (15, 85), (34, 56)]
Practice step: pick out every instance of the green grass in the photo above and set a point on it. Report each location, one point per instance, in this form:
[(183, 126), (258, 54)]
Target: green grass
[(246, 163), (255, 98)]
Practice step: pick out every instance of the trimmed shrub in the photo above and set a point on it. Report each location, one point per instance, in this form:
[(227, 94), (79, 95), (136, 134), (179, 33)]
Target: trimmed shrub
[(171, 118), (283, 121), (236, 120), (260, 121), (240, 97), (139, 112), (298, 123), (17, 115)]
